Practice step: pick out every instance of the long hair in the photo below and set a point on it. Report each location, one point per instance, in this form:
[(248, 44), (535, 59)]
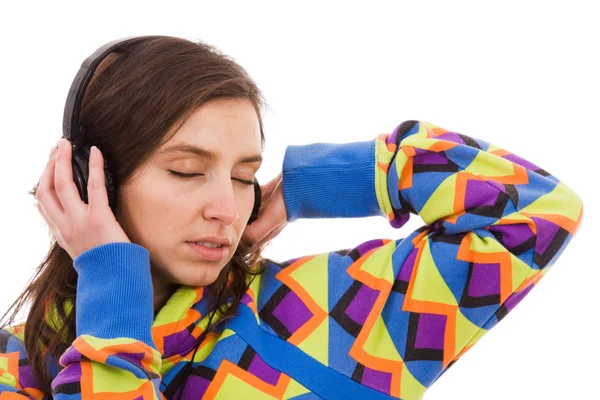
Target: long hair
[(134, 101)]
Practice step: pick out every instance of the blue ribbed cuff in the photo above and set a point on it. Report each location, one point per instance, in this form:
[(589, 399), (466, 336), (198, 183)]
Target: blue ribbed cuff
[(330, 180), (114, 292)]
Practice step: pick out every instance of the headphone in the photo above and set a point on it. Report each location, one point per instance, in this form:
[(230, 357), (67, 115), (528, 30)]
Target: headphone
[(81, 145)]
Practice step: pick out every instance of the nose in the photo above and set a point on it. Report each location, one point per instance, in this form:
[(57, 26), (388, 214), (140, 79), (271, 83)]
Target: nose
[(222, 205)]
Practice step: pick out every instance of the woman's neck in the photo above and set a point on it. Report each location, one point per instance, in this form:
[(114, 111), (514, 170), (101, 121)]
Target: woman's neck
[(162, 292)]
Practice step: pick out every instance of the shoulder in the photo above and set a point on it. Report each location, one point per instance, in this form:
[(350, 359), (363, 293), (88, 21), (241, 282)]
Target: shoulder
[(14, 358), (12, 349), (12, 339)]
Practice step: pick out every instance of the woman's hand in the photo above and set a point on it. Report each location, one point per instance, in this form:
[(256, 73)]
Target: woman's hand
[(272, 215), (76, 226)]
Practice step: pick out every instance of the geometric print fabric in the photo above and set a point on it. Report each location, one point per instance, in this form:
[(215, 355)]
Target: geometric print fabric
[(391, 315)]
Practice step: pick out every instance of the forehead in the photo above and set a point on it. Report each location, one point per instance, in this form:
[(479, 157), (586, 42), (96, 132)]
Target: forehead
[(220, 129)]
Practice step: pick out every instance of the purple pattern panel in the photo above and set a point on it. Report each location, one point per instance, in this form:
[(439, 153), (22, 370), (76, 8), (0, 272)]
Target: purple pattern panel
[(70, 374), (361, 304), (364, 248), (430, 158), (546, 232), (516, 297), (524, 163), (513, 235), (292, 312), (195, 387), (451, 137), (377, 380), (480, 193), (485, 280), (430, 332), (408, 266), (178, 343), (260, 369)]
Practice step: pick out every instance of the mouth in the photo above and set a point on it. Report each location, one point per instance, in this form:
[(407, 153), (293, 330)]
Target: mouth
[(209, 251), (209, 244)]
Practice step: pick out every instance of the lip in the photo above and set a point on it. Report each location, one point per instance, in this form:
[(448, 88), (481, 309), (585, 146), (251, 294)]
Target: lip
[(209, 253), (213, 239)]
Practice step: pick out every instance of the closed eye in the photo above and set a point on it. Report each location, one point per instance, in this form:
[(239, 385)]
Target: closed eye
[(188, 176)]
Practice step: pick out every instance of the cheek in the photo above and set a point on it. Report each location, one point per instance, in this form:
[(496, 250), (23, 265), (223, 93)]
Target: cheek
[(164, 209), (153, 214)]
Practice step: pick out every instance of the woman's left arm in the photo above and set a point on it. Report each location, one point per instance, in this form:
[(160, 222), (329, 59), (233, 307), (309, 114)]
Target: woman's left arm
[(400, 312)]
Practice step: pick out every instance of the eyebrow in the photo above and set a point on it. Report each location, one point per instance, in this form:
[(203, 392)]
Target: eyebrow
[(187, 148)]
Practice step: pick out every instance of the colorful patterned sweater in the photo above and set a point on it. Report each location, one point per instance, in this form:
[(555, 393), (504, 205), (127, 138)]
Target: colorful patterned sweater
[(382, 320)]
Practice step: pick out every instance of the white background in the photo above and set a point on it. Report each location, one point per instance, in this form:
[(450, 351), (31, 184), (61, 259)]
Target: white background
[(519, 74)]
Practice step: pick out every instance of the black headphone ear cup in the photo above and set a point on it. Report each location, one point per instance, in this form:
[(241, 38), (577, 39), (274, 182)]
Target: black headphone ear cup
[(110, 187), (257, 196), (80, 163), (79, 166)]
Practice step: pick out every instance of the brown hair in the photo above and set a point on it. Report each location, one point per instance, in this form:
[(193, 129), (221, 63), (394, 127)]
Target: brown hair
[(134, 100)]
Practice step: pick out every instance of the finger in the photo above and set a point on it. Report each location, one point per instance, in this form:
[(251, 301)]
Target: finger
[(276, 187), (51, 227), (52, 231), (274, 209), (97, 196), (45, 194), (270, 218), (268, 189), (277, 205), (49, 198), (65, 188)]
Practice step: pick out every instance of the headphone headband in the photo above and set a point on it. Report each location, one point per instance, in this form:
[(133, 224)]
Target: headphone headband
[(71, 125)]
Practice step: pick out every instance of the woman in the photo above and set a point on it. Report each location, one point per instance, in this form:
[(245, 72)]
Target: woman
[(136, 304)]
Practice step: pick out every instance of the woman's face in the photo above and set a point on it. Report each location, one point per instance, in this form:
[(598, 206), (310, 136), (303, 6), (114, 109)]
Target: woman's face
[(163, 212)]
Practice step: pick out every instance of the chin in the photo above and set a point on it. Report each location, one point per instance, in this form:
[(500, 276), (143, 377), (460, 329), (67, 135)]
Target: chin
[(200, 275)]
